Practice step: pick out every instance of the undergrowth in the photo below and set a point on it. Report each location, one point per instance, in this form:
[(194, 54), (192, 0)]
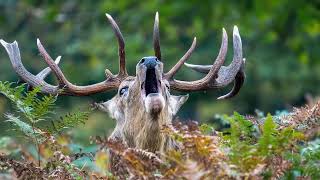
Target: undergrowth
[(254, 147)]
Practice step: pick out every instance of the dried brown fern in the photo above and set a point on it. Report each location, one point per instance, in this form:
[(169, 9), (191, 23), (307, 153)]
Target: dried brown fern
[(199, 156), (22, 170), (305, 119)]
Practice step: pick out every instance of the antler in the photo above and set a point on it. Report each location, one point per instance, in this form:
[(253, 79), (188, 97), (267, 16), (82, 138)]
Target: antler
[(157, 50), (217, 76), (65, 87), (122, 54), (156, 37), (238, 82)]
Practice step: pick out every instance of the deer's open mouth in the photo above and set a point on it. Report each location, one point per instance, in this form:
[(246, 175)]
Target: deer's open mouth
[(150, 87), (151, 82)]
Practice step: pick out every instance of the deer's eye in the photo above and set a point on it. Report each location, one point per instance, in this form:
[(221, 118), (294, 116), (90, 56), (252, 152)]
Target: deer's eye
[(123, 90), (168, 87)]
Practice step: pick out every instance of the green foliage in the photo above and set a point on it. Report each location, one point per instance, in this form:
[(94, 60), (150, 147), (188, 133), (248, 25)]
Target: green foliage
[(206, 129), (43, 106), (307, 161), (244, 151), (70, 120), (239, 127), (251, 148), (27, 129), (268, 140), (29, 104), (35, 110), (4, 141)]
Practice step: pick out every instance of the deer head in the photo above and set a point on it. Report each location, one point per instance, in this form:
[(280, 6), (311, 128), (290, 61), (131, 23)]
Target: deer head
[(143, 102)]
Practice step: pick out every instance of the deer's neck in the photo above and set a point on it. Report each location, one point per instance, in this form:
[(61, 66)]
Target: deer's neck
[(150, 136), (144, 131)]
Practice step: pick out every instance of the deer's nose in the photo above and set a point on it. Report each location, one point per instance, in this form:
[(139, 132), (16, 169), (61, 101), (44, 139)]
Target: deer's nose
[(149, 62)]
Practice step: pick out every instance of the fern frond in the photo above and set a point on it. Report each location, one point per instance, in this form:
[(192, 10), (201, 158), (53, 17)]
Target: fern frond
[(16, 96), (31, 96), (267, 139), (28, 103), (25, 128), (70, 120), (12, 93), (43, 106)]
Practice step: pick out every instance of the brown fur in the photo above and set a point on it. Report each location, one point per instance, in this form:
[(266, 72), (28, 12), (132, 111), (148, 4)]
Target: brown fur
[(135, 126)]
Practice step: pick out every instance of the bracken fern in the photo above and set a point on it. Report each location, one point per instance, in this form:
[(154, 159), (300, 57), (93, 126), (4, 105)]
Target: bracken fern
[(263, 147)]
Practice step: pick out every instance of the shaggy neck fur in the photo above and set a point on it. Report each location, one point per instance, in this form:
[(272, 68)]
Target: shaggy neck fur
[(135, 126), (144, 130)]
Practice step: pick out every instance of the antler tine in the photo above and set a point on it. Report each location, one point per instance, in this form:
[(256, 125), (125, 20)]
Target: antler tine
[(122, 58), (65, 87), (185, 57), (199, 68), (206, 82), (233, 72), (227, 74), (217, 75), (15, 58), (45, 72), (238, 83), (238, 80), (221, 57), (53, 66), (156, 37)]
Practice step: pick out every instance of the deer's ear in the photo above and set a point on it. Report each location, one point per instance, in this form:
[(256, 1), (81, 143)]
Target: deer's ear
[(176, 102)]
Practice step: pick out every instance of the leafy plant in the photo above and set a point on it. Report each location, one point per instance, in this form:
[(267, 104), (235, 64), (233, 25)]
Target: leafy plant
[(306, 162), (31, 109), (251, 148)]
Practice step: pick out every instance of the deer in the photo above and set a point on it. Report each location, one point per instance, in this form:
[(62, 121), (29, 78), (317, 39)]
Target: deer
[(143, 103)]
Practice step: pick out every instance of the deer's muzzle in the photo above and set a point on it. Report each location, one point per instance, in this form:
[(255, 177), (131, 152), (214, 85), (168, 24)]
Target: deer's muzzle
[(150, 72)]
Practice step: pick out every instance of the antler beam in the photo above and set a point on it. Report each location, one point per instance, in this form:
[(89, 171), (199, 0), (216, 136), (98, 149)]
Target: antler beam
[(65, 87), (217, 76), (15, 58)]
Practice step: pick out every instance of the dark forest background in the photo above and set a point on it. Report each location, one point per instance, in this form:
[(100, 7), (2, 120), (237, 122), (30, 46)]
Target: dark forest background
[(280, 40)]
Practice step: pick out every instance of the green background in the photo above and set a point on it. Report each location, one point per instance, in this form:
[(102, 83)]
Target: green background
[(280, 41)]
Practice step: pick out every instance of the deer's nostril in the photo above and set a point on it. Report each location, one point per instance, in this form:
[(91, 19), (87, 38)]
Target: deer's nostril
[(142, 60), (150, 62)]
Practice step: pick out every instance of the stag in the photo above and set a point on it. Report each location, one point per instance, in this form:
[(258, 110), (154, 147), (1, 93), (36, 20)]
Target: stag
[(143, 103)]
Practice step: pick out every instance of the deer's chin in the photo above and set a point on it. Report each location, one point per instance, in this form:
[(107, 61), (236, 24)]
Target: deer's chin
[(154, 103)]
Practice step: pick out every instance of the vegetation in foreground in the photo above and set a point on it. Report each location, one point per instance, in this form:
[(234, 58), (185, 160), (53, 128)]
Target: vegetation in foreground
[(283, 146)]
